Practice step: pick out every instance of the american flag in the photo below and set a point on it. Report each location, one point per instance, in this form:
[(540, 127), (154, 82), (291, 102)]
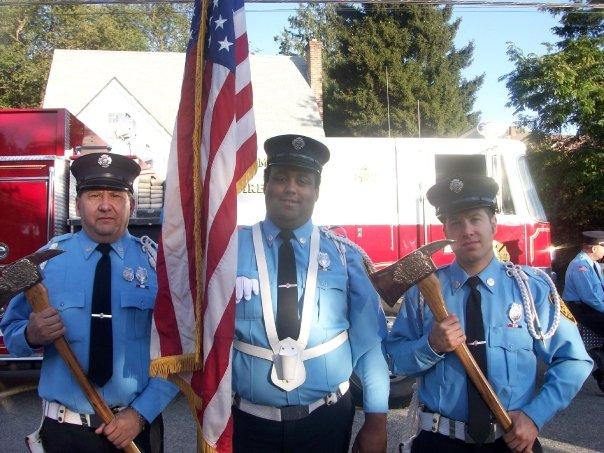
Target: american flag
[(212, 156)]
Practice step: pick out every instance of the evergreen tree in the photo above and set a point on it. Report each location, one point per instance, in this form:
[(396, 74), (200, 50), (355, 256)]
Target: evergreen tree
[(389, 55), (29, 34)]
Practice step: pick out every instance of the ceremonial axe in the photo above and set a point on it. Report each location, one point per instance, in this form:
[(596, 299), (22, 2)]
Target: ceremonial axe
[(417, 268), (24, 275)]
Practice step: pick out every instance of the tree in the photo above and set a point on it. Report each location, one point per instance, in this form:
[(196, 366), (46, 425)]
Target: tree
[(564, 89), (412, 44), (28, 36)]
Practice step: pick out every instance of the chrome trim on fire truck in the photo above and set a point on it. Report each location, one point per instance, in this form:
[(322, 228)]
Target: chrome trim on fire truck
[(4, 250), (15, 158)]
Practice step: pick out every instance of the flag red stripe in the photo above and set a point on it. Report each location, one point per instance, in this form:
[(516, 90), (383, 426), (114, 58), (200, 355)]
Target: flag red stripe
[(241, 48), (244, 101), (169, 338), (246, 156)]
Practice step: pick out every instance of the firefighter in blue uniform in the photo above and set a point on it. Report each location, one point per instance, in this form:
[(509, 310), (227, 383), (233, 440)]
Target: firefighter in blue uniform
[(489, 311), (306, 317), (111, 343), (584, 293)]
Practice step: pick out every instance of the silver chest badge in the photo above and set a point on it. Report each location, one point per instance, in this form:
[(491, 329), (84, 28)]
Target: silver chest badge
[(324, 260), (128, 274), (515, 314), (141, 277)]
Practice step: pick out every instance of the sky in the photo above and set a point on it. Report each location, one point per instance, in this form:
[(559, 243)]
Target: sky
[(490, 28)]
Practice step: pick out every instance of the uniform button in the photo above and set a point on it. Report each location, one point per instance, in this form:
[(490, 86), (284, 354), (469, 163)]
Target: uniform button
[(270, 237), (456, 284), (302, 240), (490, 281), (61, 304)]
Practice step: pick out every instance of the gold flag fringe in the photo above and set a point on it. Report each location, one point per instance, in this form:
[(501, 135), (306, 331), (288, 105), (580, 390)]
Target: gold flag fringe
[(247, 176), (164, 366)]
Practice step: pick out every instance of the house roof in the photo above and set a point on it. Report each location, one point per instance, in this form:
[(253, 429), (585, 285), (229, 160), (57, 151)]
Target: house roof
[(283, 100)]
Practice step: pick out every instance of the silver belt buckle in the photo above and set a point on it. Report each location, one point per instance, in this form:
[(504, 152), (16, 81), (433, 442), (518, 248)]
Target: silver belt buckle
[(332, 398)]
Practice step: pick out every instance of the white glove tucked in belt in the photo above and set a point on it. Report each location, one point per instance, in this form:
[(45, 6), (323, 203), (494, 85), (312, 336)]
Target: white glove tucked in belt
[(245, 287)]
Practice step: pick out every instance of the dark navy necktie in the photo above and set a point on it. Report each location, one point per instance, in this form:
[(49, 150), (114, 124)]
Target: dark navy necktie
[(288, 324), (100, 356), (596, 268), (479, 415)]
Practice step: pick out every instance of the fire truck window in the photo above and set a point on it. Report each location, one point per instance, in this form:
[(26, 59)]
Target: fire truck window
[(449, 165), (507, 205), (530, 192)]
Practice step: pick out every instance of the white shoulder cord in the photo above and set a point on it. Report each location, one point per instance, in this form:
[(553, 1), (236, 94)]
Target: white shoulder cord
[(342, 240), (149, 246), (532, 318)]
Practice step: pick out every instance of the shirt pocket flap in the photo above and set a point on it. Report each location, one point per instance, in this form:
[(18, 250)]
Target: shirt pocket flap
[(332, 281), (137, 300), (63, 301), (511, 338)]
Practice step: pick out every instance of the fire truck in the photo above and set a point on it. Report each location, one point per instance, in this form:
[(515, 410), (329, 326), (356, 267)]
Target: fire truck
[(374, 191)]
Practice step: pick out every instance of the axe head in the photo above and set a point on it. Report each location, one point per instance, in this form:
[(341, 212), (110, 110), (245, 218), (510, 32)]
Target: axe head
[(23, 274), (392, 281)]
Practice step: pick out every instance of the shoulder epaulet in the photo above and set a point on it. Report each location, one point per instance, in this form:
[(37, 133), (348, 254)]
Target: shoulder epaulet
[(343, 241), (54, 244), (60, 238)]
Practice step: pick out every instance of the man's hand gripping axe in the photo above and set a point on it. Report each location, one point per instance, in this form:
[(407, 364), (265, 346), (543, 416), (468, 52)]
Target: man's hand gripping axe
[(24, 275), (417, 268)]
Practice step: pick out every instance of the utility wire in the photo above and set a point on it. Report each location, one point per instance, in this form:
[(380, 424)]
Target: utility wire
[(481, 3)]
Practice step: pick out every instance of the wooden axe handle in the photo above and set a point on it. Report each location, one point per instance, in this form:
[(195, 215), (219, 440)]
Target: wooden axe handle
[(430, 289), (38, 299)]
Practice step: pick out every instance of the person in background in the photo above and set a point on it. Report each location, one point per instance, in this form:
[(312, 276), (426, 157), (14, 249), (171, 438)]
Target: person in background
[(584, 293)]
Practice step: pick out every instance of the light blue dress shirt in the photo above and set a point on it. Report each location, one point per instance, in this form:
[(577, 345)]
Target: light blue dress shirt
[(583, 284), (511, 351), (69, 279), (344, 300)]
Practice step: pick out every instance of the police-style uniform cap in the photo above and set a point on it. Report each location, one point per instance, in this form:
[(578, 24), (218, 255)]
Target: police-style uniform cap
[(455, 194), (104, 171), (297, 151), (593, 237)]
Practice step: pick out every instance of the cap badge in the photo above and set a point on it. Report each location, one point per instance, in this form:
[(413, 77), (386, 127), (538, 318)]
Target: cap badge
[(298, 143), (324, 260), (128, 274), (515, 314), (456, 185), (104, 161)]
